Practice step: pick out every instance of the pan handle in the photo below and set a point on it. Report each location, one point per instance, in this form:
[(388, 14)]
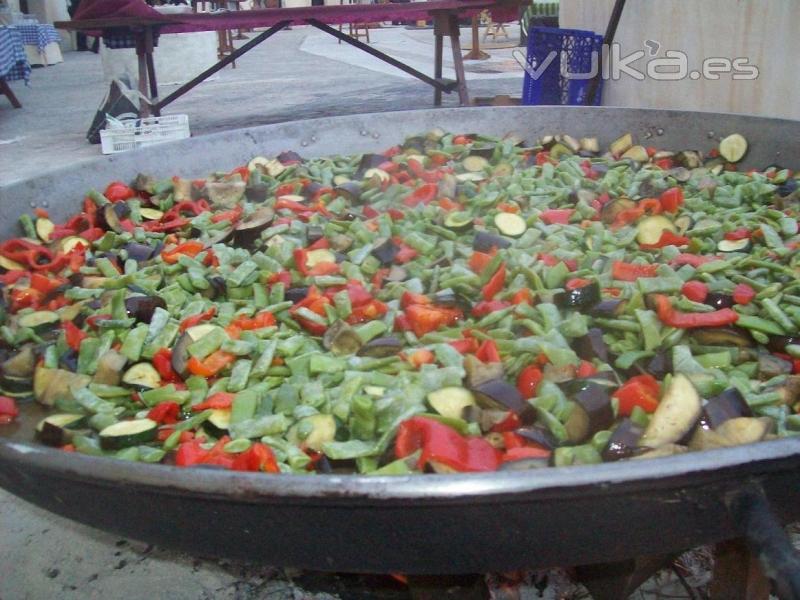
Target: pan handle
[(751, 513)]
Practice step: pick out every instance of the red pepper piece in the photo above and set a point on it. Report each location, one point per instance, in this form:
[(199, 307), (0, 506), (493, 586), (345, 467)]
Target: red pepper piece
[(466, 345), (694, 260), (232, 215), (258, 457), (523, 296), (671, 199), (696, 291), (73, 335), (8, 410), (488, 352), (743, 293), (642, 391), (668, 238), (585, 369), (190, 248), (484, 307), (480, 260), (511, 422), (742, 233), (420, 357), (556, 215), (426, 318), (199, 318), (220, 400), (631, 272), (528, 381), (521, 453), (444, 445), (576, 283), (673, 318), (165, 413), (424, 194), (118, 191), (211, 365), (626, 216), (495, 284), (162, 362)]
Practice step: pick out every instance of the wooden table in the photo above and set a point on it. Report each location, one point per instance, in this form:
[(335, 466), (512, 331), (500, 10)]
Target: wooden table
[(444, 13)]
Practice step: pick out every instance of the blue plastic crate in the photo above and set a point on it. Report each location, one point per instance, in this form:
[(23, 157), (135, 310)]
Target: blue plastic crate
[(574, 49)]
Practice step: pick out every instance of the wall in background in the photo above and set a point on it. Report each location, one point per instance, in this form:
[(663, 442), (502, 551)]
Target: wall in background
[(765, 31)]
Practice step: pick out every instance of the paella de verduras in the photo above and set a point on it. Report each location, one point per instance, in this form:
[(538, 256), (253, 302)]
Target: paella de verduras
[(457, 303)]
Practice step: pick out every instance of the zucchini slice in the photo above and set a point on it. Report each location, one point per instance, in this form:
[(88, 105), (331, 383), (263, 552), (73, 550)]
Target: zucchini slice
[(469, 176), (450, 402), (649, 230), (504, 169), (58, 429), (142, 375), (735, 245), (128, 433), (683, 224), (733, 148), (318, 429), (219, 421), (621, 145), (510, 224), (321, 255), (44, 229), (560, 150), (590, 144), (40, 321), (151, 214), (458, 222), (200, 331), (637, 153), (475, 164), (16, 385)]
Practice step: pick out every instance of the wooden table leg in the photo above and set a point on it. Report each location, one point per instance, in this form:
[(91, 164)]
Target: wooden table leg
[(5, 89), (151, 70), (475, 53), (737, 573), (458, 61), (437, 66), (141, 56)]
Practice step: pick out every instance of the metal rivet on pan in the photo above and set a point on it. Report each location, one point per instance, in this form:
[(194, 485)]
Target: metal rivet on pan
[(711, 135), (364, 132), (304, 144), (33, 204), (659, 131), (648, 134), (376, 135), (313, 138), (45, 204)]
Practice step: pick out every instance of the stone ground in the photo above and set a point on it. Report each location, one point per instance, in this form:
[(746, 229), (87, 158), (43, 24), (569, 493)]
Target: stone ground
[(298, 74)]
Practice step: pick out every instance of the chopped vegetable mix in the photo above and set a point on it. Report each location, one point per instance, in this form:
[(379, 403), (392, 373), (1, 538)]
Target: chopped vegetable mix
[(456, 304)]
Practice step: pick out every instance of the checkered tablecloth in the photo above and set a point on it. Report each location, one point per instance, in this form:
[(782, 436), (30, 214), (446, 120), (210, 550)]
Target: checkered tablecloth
[(13, 61), (39, 35), (122, 38)]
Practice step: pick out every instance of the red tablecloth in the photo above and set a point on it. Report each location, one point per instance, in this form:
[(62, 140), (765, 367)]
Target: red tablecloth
[(347, 13)]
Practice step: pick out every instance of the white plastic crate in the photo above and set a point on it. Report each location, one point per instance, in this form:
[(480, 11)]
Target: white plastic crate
[(138, 133)]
